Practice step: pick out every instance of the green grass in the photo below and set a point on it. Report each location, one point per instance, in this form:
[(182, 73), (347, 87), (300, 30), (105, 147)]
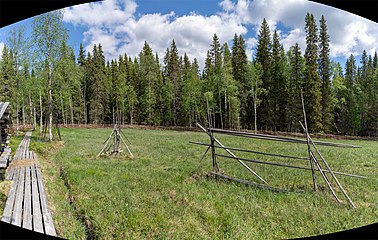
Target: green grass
[(158, 194)]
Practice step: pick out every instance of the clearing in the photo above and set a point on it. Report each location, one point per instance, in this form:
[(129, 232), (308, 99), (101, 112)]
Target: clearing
[(160, 194)]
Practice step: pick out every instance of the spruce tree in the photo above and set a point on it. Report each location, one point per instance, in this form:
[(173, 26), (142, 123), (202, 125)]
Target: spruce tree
[(263, 56), (295, 82), (239, 69), (350, 120), (325, 75), (312, 85), (277, 96), (84, 85)]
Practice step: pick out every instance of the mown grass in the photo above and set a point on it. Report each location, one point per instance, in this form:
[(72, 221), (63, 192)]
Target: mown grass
[(159, 194)]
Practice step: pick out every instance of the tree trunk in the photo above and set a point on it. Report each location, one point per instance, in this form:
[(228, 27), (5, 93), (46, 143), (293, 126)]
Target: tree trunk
[(225, 108), (41, 115), (220, 110), (35, 119), (72, 113), (31, 111), (50, 105), (23, 113), (17, 120), (63, 115), (85, 112), (255, 108), (113, 120)]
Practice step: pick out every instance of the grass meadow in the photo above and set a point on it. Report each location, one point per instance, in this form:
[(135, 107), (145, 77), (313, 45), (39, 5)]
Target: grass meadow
[(164, 192)]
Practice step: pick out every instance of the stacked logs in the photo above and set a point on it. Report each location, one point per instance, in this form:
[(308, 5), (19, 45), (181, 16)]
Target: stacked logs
[(5, 121)]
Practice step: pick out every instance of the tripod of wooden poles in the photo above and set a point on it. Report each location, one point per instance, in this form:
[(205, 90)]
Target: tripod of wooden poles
[(113, 143)]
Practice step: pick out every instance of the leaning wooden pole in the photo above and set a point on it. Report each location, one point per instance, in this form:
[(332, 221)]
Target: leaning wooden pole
[(325, 177), (127, 147), (229, 152), (332, 174), (308, 145), (106, 144)]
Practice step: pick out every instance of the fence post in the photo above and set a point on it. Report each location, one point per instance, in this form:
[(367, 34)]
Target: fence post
[(212, 143)]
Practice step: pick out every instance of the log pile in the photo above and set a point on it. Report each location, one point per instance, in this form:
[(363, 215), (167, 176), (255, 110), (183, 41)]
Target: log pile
[(5, 121)]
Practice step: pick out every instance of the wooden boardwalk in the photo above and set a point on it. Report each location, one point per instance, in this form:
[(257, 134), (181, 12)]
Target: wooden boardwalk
[(27, 205)]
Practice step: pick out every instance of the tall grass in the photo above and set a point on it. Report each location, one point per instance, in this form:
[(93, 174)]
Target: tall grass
[(160, 194)]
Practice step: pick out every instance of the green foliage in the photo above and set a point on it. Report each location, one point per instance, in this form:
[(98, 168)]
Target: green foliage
[(312, 85), (295, 84), (261, 94), (325, 75)]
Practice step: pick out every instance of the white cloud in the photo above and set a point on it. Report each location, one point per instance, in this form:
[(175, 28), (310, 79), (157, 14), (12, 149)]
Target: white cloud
[(193, 33), (1, 49), (227, 5), (349, 33), (296, 35), (117, 26), (100, 13)]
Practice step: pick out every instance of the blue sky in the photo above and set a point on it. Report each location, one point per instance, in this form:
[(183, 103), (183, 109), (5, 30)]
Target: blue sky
[(122, 26)]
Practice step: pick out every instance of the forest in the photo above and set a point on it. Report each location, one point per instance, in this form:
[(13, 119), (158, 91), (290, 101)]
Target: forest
[(46, 83)]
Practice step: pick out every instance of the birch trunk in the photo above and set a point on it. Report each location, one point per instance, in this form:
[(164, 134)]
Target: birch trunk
[(255, 108), (63, 115), (71, 108), (50, 105), (41, 114), (31, 111), (17, 120), (23, 113), (35, 119)]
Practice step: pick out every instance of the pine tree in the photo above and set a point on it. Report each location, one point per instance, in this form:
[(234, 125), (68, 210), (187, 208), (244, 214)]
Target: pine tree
[(277, 96), (296, 78), (350, 121), (148, 73), (239, 70), (100, 85), (312, 86), (263, 56), (83, 86), (172, 72), (325, 75), (7, 76), (68, 97)]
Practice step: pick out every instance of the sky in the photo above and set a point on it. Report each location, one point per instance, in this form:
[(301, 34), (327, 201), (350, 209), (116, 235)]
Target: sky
[(122, 26)]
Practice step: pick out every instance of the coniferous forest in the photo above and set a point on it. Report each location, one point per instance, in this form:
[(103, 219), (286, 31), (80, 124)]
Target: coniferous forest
[(46, 83)]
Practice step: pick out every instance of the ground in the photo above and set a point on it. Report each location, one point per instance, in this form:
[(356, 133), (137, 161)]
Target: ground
[(164, 191)]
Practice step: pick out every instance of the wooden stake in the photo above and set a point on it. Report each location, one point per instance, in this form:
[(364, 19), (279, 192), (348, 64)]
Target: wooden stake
[(308, 144), (228, 151), (332, 173)]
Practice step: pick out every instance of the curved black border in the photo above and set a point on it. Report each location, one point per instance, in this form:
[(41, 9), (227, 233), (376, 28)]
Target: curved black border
[(363, 8), (12, 11)]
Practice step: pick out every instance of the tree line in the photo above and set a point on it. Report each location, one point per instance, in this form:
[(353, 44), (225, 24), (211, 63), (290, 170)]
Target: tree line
[(46, 84)]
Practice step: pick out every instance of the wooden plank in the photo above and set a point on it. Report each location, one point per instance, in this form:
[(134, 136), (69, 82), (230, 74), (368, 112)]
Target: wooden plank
[(17, 211), (17, 154), (27, 215), (7, 213), (47, 219), (24, 149), (10, 173), (36, 206)]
